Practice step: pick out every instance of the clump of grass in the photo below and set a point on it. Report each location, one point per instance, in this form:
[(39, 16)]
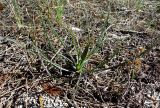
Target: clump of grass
[(90, 47), (48, 17)]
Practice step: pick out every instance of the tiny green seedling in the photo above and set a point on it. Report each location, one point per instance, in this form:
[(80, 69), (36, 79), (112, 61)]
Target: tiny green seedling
[(82, 59)]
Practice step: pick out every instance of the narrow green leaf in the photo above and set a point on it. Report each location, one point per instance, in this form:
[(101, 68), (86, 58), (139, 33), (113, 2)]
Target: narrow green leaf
[(85, 52)]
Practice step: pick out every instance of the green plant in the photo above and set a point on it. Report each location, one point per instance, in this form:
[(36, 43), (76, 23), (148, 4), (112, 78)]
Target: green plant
[(82, 58), (59, 10), (47, 34), (83, 55)]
